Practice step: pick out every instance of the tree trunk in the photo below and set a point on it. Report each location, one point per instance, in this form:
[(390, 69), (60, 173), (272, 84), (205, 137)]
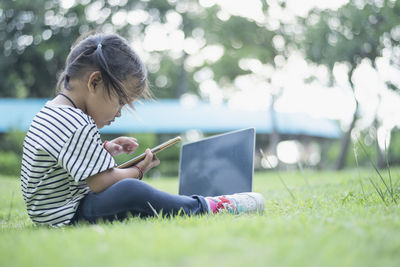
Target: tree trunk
[(380, 159), (345, 142), (346, 139), (275, 136), (182, 79)]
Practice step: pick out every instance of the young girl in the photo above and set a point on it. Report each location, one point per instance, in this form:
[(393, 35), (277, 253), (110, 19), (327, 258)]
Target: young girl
[(69, 175)]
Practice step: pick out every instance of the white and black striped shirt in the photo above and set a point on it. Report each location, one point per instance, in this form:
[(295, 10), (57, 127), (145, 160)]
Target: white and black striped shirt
[(61, 149)]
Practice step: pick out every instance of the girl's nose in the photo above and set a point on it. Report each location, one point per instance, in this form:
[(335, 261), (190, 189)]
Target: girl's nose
[(118, 113)]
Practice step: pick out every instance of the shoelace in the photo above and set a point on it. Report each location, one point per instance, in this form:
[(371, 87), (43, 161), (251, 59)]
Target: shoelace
[(220, 204)]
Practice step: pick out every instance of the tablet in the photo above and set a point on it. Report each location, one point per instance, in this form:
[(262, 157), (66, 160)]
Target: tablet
[(154, 150), (218, 165)]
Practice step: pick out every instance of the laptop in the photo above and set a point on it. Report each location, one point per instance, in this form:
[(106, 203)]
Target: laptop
[(218, 165)]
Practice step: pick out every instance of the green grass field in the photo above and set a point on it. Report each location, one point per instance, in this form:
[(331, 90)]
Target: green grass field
[(332, 219)]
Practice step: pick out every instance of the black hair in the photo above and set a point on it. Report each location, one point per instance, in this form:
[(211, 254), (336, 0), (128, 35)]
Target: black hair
[(117, 62)]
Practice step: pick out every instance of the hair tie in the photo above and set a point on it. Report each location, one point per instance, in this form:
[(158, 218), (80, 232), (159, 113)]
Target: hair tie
[(99, 46)]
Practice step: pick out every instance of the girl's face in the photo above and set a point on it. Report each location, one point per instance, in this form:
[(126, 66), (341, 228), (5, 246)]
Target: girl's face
[(99, 105), (104, 109)]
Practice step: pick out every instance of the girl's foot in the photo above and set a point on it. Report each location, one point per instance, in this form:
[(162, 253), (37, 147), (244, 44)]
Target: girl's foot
[(248, 202)]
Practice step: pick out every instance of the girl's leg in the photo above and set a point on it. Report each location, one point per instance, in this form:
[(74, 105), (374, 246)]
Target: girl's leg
[(139, 199)]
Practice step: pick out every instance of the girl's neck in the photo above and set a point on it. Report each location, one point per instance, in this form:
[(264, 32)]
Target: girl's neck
[(74, 97), (69, 98)]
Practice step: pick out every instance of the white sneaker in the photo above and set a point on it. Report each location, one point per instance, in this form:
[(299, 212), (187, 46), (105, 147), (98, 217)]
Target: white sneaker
[(248, 202)]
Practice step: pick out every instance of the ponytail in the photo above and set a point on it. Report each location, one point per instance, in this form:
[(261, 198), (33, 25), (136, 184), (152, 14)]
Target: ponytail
[(63, 82), (116, 61), (109, 79)]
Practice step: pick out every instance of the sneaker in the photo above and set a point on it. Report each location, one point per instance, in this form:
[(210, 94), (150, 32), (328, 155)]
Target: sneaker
[(248, 202)]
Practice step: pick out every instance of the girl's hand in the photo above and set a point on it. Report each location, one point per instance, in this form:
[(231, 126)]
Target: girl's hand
[(121, 145), (150, 161)]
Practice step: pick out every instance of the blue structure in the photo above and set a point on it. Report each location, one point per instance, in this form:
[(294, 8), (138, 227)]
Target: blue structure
[(171, 116)]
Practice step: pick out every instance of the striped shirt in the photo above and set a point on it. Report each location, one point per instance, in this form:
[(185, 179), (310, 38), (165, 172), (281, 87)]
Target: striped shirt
[(61, 149)]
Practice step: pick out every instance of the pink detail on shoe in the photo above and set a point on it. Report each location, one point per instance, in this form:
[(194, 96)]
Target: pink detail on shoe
[(222, 200), (212, 206)]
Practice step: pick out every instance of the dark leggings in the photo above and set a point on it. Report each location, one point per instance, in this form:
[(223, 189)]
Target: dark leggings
[(137, 198)]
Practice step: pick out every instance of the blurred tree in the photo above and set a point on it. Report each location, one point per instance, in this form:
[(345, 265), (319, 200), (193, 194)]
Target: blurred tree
[(359, 30), (35, 38)]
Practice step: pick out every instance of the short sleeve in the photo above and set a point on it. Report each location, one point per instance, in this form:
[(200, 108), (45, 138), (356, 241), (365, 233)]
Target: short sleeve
[(83, 155)]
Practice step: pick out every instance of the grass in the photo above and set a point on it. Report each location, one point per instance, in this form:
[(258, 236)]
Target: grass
[(332, 219)]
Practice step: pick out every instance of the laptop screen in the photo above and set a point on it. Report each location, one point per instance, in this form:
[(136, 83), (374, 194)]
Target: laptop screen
[(218, 165)]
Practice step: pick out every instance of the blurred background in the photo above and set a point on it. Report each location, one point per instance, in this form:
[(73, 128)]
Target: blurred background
[(319, 80)]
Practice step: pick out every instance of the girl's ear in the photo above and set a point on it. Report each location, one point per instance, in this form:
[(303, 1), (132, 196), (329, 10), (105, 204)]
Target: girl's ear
[(94, 81)]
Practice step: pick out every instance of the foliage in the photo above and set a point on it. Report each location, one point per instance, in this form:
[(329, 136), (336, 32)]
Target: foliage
[(330, 223), (36, 37), (393, 152), (33, 38), (358, 30), (11, 144), (10, 163), (356, 155), (12, 141)]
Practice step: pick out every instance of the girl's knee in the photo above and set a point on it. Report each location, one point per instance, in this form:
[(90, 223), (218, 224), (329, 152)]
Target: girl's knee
[(126, 185), (127, 182), (131, 187)]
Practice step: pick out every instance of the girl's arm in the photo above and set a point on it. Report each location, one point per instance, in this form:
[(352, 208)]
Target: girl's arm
[(101, 181)]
